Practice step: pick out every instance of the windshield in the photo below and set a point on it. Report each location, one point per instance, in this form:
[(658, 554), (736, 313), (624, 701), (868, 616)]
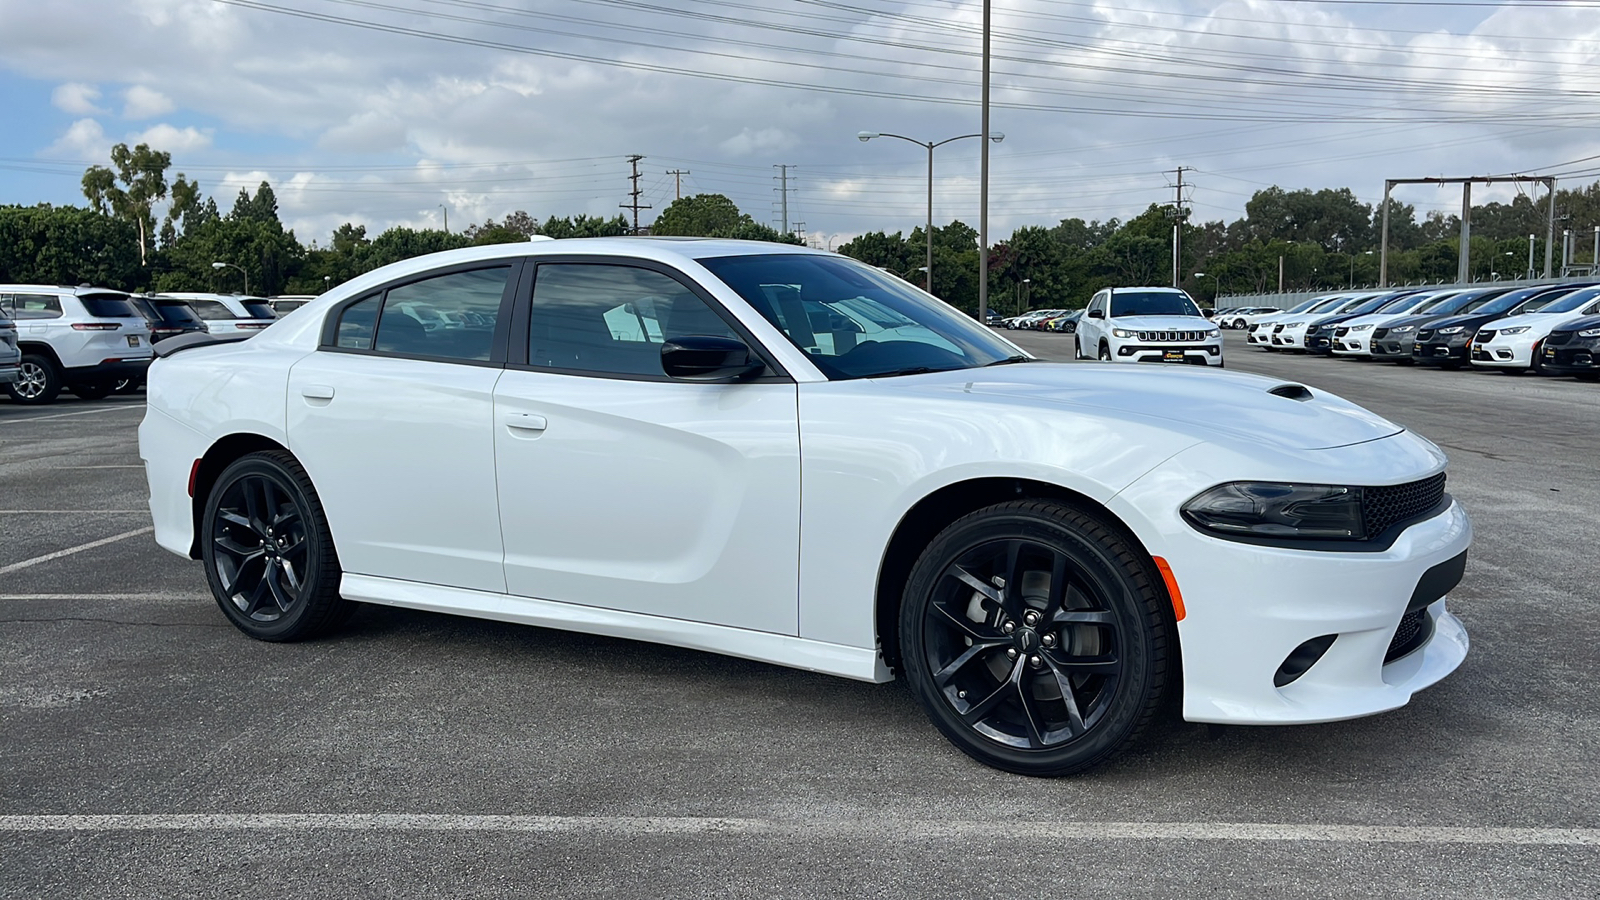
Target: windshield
[(854, 321), (1309, 304), (1151, 303), (1410, 303), (1359, 307), (1506, 302), (1571, 301), (1326, 305), (1444, 303)]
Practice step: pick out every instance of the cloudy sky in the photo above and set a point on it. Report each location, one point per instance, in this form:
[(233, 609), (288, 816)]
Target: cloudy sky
[(398, 111)]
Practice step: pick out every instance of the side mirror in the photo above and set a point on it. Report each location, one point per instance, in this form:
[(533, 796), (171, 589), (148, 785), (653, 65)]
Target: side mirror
[(1097, 313), (708, 358)]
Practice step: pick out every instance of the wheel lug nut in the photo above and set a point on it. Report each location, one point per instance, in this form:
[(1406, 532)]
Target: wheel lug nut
[(1048, 640), (1009, 627), (961, 694), (1035, 661), (1011, 653), (1032, 618)]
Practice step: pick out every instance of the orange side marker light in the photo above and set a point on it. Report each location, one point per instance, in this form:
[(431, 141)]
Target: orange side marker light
[(1172, 587)]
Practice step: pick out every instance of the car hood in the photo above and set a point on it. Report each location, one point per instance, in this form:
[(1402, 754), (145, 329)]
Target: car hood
[(1414, 321), (1536, 323), (1582, 324), (1208, 405), (1472, 320), (1162, 323)]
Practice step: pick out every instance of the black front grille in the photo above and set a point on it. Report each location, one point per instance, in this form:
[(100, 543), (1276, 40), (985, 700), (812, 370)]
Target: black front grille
[(1485, 336), (1415, 629), (1164, 337), (1384, 506), (1424, 334), (1379, 332), (1557, 338)]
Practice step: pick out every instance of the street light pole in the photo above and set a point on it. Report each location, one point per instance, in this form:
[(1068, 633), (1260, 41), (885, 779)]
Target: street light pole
[(929, 146), (983, 185), (221, 265)]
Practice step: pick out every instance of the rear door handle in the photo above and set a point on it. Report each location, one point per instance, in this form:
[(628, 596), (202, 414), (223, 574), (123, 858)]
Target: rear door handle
[(525, 422), (317, 392)]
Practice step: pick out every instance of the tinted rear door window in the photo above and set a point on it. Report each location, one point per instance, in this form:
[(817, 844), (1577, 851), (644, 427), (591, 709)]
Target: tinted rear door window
[(108, 306)]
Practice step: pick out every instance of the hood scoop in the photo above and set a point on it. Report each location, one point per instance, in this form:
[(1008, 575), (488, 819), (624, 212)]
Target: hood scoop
[(1292, 391)]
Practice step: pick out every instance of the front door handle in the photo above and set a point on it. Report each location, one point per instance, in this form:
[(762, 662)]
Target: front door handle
[(317, 392), (526, 422)]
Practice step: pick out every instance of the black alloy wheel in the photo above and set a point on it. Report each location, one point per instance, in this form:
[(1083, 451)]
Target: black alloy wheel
[(91, 390), (268, 554), (38, 381), (1036, 638)]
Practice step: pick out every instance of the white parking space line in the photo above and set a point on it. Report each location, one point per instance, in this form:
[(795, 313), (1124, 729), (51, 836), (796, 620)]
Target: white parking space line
[(99, 467), (162, 596), (78, 549), (67, 512), (874, 829), (86, 412)]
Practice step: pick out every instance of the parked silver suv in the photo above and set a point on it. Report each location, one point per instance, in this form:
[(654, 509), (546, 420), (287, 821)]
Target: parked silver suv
[(84, 339)]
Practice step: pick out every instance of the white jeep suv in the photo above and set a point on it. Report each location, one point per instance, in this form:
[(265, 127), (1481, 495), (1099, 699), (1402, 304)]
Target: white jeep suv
[(85, 339), (1147, 324), (228, 313)]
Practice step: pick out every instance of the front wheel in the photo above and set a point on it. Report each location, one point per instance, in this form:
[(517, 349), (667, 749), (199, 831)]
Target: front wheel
[(268, 554), (1035, 638), (1105, 352)]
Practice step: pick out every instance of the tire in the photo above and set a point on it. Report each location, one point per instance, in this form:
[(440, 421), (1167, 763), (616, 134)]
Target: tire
[(1077, 348), (1536, 362), (39, 381), (994, 655), (94, 390), (1105, 352), (268, 554)]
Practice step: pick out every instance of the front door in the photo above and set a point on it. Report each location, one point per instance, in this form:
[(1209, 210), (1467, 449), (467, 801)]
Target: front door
[(624, 489)]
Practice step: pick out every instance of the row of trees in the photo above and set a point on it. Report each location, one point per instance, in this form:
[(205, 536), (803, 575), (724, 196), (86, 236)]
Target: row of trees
[(1322, 239)]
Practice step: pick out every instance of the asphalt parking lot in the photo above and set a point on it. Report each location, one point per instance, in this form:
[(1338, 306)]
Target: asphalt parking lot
[(149, 749)]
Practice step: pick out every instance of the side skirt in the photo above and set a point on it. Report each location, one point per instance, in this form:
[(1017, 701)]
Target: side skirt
[(778, 649)]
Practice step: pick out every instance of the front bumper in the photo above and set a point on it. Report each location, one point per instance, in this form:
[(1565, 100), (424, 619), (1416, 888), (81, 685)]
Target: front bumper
[(1393, 348), (1353, 344), (1503, 354), (1576, 358), (1250, 607), (1437, 352), (1203, 355)]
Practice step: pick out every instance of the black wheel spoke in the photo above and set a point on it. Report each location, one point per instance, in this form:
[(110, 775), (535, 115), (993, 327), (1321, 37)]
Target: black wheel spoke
[(1022, 686), (960, 622), (1069, 698), (244, 571), (282, 597), (258, 593), (1013, 575), (977, 584), (1088, 665), (252, 505), (1084, 617), (978, 710), (234, 518), (1058, 583), (290, 577), (943, 676)]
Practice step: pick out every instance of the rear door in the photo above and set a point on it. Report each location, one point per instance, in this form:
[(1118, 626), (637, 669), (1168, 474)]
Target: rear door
[(395, 423)]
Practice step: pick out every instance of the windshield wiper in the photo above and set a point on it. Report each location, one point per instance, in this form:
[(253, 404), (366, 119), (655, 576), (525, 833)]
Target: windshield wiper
[(1011, 359), (910, 370)]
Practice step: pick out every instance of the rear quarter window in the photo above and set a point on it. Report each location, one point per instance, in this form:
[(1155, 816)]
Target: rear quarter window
[(259, 309), (108, 306), (212, 310)]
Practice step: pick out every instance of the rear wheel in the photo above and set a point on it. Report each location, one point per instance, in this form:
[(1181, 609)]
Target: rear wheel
[(268, 554), (1035, 638), (39, 381)]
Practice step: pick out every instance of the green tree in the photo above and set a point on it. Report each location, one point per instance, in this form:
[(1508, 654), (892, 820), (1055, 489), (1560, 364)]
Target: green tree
[(128, 190), (700, 215), (47, 244)]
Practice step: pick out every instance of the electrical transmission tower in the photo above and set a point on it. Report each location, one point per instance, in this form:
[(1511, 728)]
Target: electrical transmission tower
[(677, 179), (783, 193), (1179, 214), (635, 205)]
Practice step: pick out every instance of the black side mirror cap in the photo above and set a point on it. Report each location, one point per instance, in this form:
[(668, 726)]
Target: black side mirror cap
[(709, 358), (1097, 314)]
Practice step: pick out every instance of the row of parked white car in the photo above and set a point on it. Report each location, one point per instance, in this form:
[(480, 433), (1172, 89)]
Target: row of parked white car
[(93, 341), (1541, 328)]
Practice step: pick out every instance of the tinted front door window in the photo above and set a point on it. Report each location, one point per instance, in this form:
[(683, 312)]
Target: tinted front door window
[(449, 316)]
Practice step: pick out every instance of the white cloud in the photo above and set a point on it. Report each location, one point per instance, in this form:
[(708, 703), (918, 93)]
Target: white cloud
[(83, 140), (172, 139), (78, 99), (749, 142), (145, 103)]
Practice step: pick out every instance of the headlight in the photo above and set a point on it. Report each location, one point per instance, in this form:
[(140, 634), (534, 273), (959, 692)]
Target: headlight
[(1271, 510), (1453, 329), (1293, 324), (1123, 333), (1361, 328), (1517, 330), (1403, 329), (1589, 332), (1213, 333)]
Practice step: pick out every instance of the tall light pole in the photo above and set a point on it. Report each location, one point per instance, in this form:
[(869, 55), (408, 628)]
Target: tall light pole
[(983, 185), (446, 212), (930, 145), (223, 265)]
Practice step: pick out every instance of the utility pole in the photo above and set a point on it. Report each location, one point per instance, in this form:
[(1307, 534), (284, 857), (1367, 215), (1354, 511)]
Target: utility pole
[(1462, 267), (677, 179), (633, 160), (1178, 216), (783, 190), (1463, 270), (983, 185), (446, 211)]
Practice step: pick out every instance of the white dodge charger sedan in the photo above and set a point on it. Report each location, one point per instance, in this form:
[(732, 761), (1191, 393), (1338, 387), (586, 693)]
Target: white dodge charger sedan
[(788, 456)]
